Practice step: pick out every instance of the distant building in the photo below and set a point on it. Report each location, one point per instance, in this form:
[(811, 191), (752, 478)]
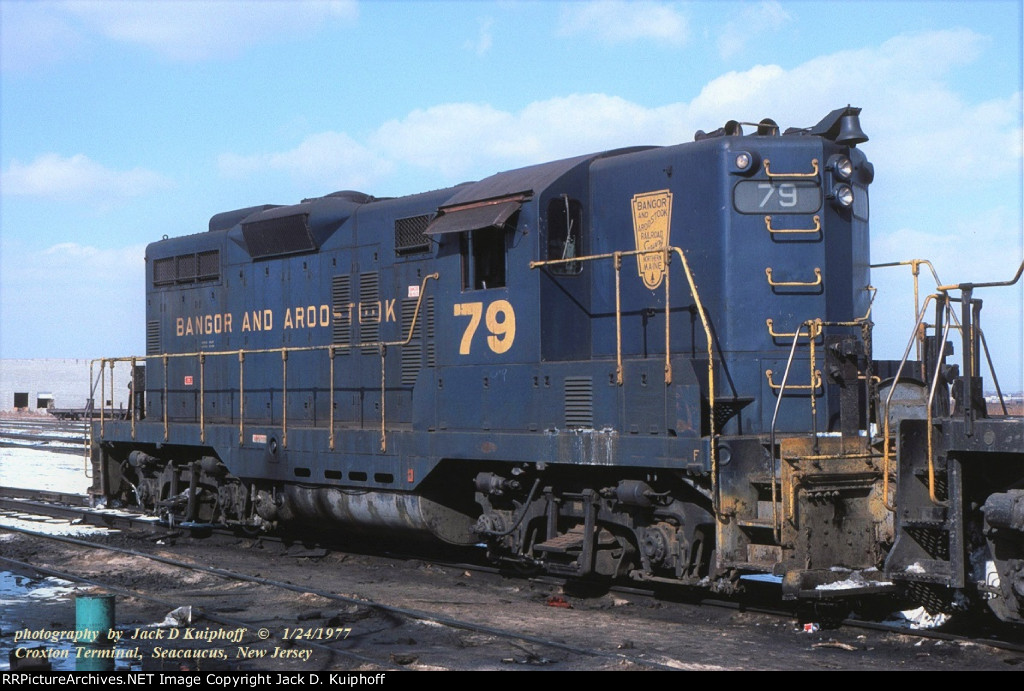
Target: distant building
[(35, 385)]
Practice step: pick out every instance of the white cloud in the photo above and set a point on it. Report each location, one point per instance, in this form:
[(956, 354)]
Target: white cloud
[(484, 40), (32, 34), (910, 113), (455, 140), (916, 117), (615, 21), (36, 289), (56, 177), (766, 16), (330, 158), (985, 247), (459, 138), (175, 29), (448, 138)]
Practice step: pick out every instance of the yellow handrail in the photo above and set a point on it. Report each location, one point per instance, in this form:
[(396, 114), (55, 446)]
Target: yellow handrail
[(793, 284), (815, 384), (774, 334), (812, 174), (617, 259), (241, 353), (794, 231)]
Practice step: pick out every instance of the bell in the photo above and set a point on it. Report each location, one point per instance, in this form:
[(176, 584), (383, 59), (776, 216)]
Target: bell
[(850, 133)]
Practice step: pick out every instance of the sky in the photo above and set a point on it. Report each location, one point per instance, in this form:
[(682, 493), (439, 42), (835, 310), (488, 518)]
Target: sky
[(123, 122)]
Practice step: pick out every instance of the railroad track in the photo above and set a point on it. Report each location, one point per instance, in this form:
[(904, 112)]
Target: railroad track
[(532, 642), (306, 633), (43, 434)]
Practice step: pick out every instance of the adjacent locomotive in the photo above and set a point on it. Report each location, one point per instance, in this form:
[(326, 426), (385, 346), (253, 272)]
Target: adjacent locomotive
[(651, 363)]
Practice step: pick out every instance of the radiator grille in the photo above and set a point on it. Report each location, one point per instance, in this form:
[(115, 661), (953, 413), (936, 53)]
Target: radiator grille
[(276, 236), (409, 235), (187, 268), (209, 265), (163, 271)]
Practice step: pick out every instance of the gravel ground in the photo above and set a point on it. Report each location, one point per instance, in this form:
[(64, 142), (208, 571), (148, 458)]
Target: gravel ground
[(624, 632)]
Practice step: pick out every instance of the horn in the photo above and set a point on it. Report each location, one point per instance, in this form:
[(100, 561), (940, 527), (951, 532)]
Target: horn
[(733, 128), (768, 127)]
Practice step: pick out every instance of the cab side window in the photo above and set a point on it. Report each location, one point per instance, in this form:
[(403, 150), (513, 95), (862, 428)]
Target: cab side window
[(565, 234), (483, 258)]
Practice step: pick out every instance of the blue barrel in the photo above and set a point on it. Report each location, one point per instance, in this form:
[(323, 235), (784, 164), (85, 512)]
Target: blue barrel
[(94, 619)]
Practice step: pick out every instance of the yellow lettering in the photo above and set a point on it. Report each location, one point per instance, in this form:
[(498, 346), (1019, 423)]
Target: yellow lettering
[(227, 322), (188, 326), (389, 306), (180, 326), (325, 315), (503, 332), (473, 310), (257, 321), (369, 313), (299, 317), (501, 323), (288, 319), (207, 325)]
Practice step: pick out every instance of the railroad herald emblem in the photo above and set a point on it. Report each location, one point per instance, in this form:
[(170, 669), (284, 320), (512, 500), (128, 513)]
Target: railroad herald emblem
[(652, 218)]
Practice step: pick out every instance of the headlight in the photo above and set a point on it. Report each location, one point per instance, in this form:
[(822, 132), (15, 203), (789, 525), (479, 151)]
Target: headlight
[(842, 195), (742, 161), (840, 166)]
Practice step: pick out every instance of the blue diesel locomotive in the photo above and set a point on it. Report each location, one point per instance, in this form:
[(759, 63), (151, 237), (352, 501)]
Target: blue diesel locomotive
[(651, 363)]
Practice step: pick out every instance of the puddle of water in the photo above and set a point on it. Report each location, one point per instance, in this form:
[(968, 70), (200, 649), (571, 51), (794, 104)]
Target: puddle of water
[(32, 607), (39, 612)]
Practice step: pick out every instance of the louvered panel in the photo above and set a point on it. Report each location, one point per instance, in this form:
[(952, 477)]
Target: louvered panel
[(579, 402), (431, 350), (412, 352), (153, 338), (369, 310), (341, 317)]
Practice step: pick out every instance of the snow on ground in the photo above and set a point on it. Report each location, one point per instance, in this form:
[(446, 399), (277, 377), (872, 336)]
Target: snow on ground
[(36, 469), (34, 523), (54, 472)]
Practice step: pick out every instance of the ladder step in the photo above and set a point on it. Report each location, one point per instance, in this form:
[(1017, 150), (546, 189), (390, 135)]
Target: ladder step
[(571, 541), (925, 517)]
